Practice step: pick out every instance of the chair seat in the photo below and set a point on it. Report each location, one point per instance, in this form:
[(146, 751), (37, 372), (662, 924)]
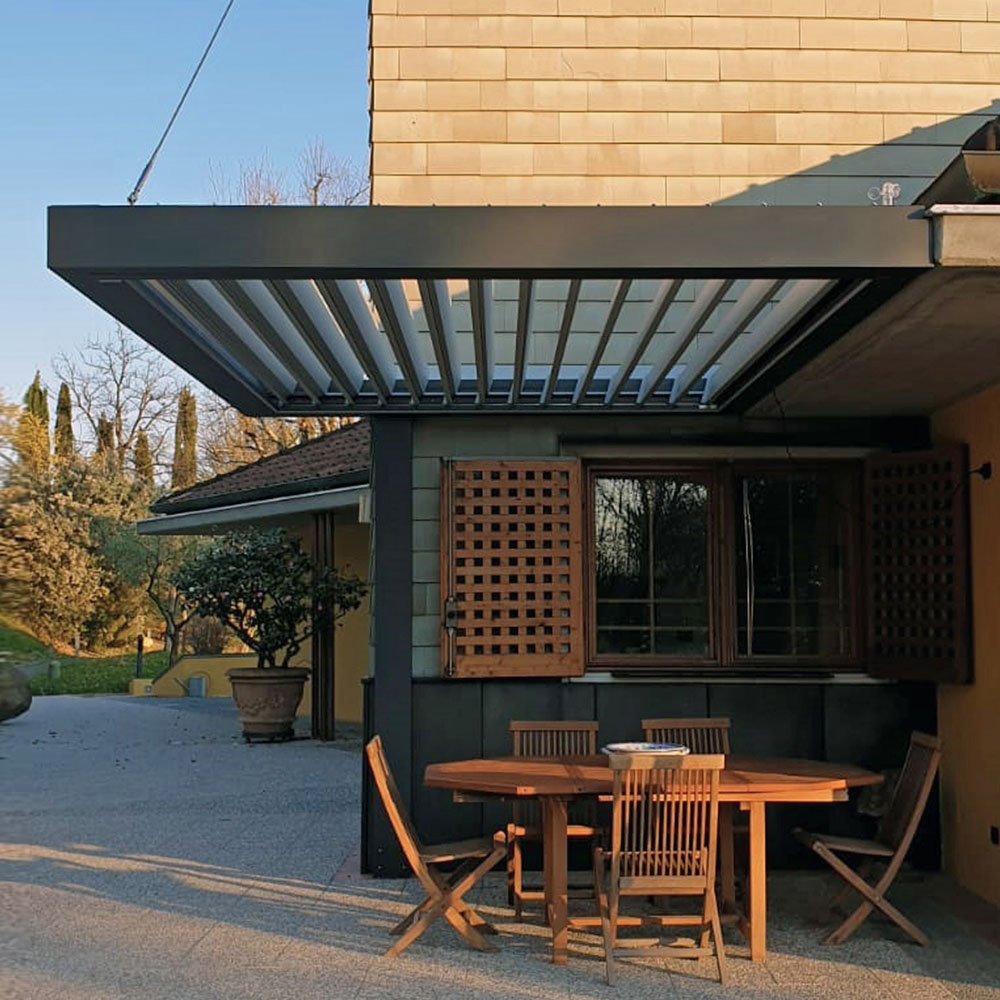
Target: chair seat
[(849, 845), (475, 847), (535, 833)]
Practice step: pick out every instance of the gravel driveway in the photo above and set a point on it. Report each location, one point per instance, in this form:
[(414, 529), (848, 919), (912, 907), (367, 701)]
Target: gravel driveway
[(147, 853)]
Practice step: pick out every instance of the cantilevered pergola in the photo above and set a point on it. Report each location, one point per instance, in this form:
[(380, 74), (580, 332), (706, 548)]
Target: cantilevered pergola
[(379, 310)]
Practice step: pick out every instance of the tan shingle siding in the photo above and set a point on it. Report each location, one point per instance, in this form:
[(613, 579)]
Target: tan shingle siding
[(564, 101)]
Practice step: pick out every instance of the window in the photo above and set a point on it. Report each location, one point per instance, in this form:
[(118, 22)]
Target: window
[(724, 564), (651, 566), (793, 564)]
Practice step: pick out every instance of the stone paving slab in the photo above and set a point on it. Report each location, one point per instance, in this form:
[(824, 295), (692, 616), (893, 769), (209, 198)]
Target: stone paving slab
[(147, 853)]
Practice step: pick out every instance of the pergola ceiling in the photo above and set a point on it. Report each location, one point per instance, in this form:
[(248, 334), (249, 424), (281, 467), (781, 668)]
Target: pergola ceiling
[(382, 310)]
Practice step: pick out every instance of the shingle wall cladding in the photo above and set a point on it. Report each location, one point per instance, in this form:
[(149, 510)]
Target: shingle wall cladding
[(674, 101)]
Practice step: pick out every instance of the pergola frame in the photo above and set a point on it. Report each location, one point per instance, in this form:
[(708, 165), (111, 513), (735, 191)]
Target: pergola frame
[(303, 311)]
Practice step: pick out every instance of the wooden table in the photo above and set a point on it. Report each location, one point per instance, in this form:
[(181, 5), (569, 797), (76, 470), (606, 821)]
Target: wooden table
[(749, 782)]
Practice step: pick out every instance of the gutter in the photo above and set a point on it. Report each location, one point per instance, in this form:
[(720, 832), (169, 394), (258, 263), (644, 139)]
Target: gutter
[(206, 522)]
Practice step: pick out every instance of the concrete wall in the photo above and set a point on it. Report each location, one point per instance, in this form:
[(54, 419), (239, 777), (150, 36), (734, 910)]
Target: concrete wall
[(673, 101), (967, 716)]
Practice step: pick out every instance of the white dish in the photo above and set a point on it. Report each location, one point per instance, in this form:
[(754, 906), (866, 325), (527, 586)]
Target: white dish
[(674, 749)]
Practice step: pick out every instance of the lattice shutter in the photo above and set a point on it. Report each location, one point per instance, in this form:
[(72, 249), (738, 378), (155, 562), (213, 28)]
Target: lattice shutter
[(918, 565), (512, 565)]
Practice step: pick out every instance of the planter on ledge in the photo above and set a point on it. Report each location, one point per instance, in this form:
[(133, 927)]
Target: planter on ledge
[(267, 700)]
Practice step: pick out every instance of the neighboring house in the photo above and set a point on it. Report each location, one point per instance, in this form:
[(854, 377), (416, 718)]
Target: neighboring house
[(705, 449), (315, 490)]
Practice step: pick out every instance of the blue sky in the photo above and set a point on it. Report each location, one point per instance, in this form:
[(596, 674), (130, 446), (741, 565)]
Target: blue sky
[(86, 88)]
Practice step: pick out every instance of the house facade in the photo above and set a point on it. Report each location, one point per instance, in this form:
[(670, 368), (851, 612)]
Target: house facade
[(718, 446), (662, 102)]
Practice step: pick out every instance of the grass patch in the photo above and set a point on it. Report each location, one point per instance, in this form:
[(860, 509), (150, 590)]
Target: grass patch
[(20, 643), (99, 675)]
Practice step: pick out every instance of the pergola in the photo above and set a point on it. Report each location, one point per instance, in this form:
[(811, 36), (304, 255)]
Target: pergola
[(408, 310)]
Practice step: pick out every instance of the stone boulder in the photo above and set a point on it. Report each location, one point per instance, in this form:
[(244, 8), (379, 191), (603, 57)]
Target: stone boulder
[(15, 692)]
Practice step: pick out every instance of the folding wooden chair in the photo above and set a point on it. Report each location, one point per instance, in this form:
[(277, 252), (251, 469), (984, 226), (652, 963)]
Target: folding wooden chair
[(892, 841), (709, 735), (444, 892), (546, 739), (663, 838)]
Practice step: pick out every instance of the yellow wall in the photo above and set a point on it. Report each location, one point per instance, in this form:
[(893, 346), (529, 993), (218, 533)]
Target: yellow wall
[(212, 668), (350, 654), (673, 101), (350, 650), (968, 716), (351, 644)]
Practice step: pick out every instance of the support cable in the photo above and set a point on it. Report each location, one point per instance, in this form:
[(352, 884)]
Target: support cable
[(134, 196)]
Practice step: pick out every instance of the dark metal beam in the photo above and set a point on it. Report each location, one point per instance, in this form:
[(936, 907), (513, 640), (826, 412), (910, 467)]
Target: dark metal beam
[(335, 295), (816, 332), (390, 307), (614, 310), (481, 307), (572, 296), (665, 295), (203, 316), (391, 609), (525, 292), (437, 311), (296, 314), (434, 241)]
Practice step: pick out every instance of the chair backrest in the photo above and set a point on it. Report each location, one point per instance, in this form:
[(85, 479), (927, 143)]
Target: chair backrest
[(911, 793), (554, 739), (698, 735), (395, 809), (665, 816)]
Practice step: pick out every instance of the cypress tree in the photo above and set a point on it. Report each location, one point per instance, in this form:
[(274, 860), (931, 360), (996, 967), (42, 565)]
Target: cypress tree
[(184, 472), (64, 443), (33, 445), (143, 460)]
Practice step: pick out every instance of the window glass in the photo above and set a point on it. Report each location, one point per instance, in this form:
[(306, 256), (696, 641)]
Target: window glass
[(651, 579), (792, 574)]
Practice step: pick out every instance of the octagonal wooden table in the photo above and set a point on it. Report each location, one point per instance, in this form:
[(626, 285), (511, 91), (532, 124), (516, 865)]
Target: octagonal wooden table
[(749, 782)]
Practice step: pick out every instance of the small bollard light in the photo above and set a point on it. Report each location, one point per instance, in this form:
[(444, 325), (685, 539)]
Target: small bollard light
[(55, 670)]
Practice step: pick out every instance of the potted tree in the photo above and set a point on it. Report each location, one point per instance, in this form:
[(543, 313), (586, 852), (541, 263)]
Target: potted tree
[(266, 589)]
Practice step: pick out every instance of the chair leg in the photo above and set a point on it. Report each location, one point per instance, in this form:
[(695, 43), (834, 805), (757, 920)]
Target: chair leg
[(411, 916), (604, 911), (419, 926), (874, 897), (518, 878), (845, 892), (720, 947), (511, 847)]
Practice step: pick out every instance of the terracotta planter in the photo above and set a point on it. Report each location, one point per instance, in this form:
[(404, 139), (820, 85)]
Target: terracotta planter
[(266, 700)]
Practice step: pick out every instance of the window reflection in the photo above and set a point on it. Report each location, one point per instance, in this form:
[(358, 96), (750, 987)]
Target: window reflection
[(792, 594), (651, 566)]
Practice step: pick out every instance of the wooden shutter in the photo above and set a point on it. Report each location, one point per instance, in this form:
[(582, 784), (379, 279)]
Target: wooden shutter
[(918, 565), (512, 568)]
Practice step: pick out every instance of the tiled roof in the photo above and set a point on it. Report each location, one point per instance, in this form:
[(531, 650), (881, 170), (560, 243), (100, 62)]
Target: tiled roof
[(341, 458)]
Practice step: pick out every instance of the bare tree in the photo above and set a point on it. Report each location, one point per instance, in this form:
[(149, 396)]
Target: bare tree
[(125, 381), (331, 180), (323, 179), (232, 439)]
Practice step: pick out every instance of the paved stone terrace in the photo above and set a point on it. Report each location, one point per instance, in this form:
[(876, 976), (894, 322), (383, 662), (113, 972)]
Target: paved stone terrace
[(147, 852)]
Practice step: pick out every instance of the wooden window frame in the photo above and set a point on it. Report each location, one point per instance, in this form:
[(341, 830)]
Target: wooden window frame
[(720, 477), (706, 472)]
